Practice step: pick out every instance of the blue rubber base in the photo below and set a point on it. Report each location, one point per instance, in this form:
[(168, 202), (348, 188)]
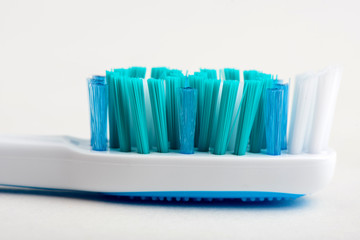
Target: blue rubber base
[(207, 196), (190, 195)]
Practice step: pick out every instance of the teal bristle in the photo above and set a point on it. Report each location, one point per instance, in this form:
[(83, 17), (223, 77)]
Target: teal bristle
[(137, 72), (249, 106), (273, 116), (119, 112), (122, 112), (257, 136), (256, 75), (159, 72), (200, 74), (211, 73), (158, 107), (174, 73), (227, 104), (98, 99), (123, 72), (113, 128), (172, 111), (138, 112), (232, 74), (207, 116)]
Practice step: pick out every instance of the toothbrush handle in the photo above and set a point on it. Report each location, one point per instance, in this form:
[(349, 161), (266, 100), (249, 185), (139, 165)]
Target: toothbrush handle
[(69, 163), (28, 160)]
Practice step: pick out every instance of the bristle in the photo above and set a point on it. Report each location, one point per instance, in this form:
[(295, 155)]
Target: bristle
[(256, 75), (210, 73), (122, 113), (328, 86), (209, 102), (113, 129), (273, 119), (302, 111), (197, 81), (119, 110), (249, 106), (230, 115), (137, 72), (174, 73), (228, 99), (137, 104), (158, 107), (336, 74), (159, 72), (98, 99), (172, 111), (284, 119), (123, 72), (232, 74), (187, 118), (235, 119), (257, 135)]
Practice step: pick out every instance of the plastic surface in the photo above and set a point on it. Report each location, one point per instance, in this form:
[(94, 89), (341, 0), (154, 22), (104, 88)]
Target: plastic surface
[(69, 163)]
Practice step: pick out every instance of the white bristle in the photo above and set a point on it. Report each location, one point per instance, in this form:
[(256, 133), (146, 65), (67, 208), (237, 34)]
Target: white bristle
[(302, 111), (337, 75), (328, 85)]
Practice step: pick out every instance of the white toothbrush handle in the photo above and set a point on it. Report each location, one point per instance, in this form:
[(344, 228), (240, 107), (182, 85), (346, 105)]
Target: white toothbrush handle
[(32, 160), (69, 163)]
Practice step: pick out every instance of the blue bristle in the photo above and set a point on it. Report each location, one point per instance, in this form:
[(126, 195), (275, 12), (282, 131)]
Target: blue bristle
[(98, 79), (197, 81), (187, 119), (285, 88), (273, 120), (98, 99), (137, 104)]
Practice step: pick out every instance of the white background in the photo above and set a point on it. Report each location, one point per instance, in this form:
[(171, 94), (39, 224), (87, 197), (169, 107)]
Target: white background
[(49, 48)]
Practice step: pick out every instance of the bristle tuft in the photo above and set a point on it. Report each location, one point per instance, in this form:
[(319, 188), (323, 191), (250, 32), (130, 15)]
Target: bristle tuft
[(273, 117), (227, 104), (158, 107), (98, 99), (137, 105), (249, 106)]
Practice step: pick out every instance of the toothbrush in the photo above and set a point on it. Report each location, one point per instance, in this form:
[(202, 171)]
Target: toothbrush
[(144, 164)]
